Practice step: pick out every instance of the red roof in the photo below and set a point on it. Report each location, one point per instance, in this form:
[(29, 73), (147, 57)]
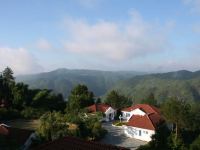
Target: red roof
[(98, 107), (148, 121), (144, 107), (72, 143), (3, 129)]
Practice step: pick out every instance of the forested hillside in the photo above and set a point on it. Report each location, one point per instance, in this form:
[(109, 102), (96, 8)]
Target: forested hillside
[(63, 80), (181, 84)]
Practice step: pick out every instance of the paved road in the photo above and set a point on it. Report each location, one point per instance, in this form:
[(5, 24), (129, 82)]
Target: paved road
[(117, 137)]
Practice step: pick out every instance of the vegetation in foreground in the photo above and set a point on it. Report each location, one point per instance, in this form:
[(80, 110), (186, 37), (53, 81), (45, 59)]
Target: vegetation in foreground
[(56, 118)]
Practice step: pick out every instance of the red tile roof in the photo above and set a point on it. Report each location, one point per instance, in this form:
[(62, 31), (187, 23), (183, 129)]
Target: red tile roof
[(144, 107), (148, 121), (72, 143), (98, 107), (3, 129)]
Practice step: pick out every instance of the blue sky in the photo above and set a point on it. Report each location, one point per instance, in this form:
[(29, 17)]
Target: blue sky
[(144, 35)]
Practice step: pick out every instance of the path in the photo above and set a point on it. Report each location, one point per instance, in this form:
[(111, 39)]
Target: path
[(116, 136)]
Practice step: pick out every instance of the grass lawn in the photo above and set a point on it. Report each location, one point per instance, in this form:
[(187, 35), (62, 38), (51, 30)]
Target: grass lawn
[(23, 124)]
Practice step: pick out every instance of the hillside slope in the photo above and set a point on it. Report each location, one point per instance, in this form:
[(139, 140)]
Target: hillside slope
[(63, 80), (182, 84)]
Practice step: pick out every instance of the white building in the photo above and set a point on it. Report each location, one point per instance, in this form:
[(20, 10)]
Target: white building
[(107, 110), (142, 120)]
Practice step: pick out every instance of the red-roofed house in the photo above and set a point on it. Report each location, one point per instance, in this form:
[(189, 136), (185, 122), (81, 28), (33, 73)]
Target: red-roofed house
[(104, 108), (139, 109), (142, 120)]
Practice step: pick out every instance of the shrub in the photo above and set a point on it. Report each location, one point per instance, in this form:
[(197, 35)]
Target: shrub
[(196, 144), (32, 113), (118, 123)]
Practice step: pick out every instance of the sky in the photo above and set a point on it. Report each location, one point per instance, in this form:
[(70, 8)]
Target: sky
[(136, 35)]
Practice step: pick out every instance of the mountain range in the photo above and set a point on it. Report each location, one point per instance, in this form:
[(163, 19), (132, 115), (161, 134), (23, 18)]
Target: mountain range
[(63, 80), (182, 84)]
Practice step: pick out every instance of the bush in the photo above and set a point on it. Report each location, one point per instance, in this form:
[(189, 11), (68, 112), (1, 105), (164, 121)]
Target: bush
[(196, 144), (32, 113), (118, 123)]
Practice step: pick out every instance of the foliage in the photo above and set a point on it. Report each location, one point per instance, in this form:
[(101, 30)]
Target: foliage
[(117, 100), (32, 113), (17, 97), (98, 100), (89, 126), (20, 95), (176, 112), (164, 86), (47, 100), (118, 123), (8, 74), (150, 100), (80, 98), (196, 144), (52, 126), (64, 80)]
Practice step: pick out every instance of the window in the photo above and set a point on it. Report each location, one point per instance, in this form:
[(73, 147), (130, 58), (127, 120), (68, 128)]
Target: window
[(127, 115), (140, 132)]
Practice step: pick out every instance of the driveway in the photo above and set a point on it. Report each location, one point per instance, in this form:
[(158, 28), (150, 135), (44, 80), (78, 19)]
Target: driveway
[(116, 136)]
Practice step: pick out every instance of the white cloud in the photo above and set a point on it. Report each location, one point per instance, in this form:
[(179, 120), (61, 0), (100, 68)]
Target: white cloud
[(116, 41), (20, 60), (193, 4), (43, 44)]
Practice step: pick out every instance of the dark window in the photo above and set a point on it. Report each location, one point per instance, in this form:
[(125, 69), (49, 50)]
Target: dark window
[(140, 132)]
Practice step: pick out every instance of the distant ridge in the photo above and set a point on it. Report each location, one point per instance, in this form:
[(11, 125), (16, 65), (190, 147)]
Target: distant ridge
[(136, 85), (182, 84), (63, 80)]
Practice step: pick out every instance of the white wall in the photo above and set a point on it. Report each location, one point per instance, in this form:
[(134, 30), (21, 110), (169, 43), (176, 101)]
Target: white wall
[(109, 111), (133, 132), (131, 113)]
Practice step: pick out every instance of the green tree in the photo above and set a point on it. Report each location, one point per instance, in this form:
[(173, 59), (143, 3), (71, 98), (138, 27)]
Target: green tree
[(150, 100), (79, 98), (117, 100), (47, 100), (176, 112), (8, 75), (7, 83), (20, 95), (196, 144), (160, 138), (98, 100), (52, 126)]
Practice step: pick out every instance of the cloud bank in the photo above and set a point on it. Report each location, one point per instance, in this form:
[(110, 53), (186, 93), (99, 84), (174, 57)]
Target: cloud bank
[(114, 41), (20, 60)]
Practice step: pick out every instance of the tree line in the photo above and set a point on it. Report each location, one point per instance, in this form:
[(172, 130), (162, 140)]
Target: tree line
[(18, 100)]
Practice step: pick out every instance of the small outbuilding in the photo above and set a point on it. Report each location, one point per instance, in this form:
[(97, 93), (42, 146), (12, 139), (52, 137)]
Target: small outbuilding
[(107, 110)]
